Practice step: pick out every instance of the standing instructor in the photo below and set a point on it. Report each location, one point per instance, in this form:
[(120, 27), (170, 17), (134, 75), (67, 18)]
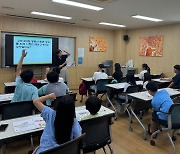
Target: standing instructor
[(60, 61)]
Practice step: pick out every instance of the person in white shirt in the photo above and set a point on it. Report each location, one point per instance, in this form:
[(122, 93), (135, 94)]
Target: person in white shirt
[(145, 69), (100, 74)]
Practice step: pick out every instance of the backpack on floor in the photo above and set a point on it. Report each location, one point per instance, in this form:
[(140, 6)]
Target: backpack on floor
[(82, 89)]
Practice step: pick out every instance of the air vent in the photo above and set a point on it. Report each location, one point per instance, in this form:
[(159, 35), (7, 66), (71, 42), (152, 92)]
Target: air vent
[(7, 8), (11, 15), (103, 1)]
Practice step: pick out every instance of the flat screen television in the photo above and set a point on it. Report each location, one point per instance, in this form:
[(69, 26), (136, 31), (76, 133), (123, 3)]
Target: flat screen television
[(40, 49)]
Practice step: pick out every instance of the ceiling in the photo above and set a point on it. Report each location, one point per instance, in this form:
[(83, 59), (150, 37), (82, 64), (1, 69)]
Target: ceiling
[(115, 11)]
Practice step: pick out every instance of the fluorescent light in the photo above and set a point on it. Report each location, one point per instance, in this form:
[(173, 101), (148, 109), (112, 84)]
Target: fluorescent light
[(77, 4), (110, 24), (50, 15), (147, 18)]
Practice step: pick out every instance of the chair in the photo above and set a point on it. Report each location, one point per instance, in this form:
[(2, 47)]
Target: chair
[(100, 86), (71, 147), (156, 76), (54, 104), (16, 109), (173, 124), (37, 85), (9, 89), (128, 100), (123, 79), (98, 133)]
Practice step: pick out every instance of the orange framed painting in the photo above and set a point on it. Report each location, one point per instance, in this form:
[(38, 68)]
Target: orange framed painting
[(97, 44), (151, 46)]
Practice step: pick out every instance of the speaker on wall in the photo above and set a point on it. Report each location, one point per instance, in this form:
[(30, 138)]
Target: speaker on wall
[(126, 38)]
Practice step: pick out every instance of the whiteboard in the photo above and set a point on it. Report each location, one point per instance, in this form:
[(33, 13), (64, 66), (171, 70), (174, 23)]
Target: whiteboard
[(68, 44)]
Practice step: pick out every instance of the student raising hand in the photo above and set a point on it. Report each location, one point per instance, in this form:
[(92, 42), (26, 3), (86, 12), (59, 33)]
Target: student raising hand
[(24, 53), (38, 102)]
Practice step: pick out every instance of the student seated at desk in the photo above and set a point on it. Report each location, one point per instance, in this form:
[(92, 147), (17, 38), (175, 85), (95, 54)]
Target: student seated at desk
[(117, 75), (24, 90), (131, 81), (100, 74), (55, 69), (146, 79), (176, 79), (93, 105), (145, 69), (61, 125), (59, 88), (161, 102)]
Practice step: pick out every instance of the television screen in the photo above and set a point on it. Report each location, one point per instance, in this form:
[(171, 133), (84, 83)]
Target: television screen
[(39, 49)]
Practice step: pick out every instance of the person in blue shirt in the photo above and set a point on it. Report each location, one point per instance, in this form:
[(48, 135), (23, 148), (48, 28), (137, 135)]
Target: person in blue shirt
[(61, 125), (59, 88), (161, 102), (175, 81), (24, 90)]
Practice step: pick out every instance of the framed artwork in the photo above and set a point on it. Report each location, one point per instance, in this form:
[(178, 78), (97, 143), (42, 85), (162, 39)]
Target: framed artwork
[(97, 44), (151, 46)]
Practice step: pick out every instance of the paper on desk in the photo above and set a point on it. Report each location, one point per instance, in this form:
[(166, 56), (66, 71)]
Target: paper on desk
[(39, 122), (147, 94), (29, 124), (6, 97), (82, 113), (24, 125)]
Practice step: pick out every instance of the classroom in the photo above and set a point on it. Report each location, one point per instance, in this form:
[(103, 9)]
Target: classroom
[(87, 41)]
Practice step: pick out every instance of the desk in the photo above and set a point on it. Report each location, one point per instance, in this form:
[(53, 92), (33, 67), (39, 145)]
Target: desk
[(9, 133), (88, 82), (145, 100), (146, 97), (6, 97), (161, 81), (10, 86), (118, 87), (87, 79), (82, 113)]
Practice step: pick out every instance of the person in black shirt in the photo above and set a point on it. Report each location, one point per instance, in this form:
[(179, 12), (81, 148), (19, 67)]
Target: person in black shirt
[(175, 81), (60, 61), (118, 73)]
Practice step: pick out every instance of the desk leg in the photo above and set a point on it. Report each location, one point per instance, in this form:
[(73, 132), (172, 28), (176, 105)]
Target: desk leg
[(116, 113), (3, 149), (145, 132)]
